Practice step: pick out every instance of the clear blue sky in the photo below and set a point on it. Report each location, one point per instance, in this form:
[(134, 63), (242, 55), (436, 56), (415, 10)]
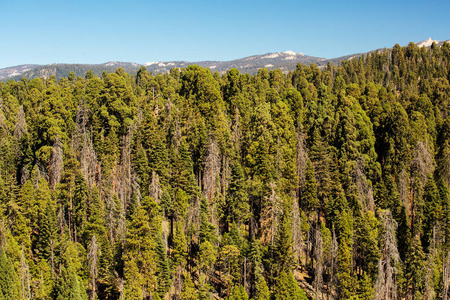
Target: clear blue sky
[(98, 31)]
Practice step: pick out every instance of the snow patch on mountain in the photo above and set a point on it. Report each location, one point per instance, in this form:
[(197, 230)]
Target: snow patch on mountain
[(290, 52), (427, 43), (272, 55)]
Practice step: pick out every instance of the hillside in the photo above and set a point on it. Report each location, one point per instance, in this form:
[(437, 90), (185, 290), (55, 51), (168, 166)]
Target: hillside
[(12, 72), (330, 182)]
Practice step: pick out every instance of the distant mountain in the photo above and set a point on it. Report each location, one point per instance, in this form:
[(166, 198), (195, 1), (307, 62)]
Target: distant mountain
[(15, 71), (428, 42), (63, 70), (286, 61)]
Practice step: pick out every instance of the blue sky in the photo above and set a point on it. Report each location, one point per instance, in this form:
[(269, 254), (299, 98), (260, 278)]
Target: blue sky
[(98, 31)]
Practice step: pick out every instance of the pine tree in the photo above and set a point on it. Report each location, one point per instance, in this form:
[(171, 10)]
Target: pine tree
[(179, 253), (9, 281), (46, 240), (309, 200), (415, 271), (238, 293), (260, 289), (283, 256), (236, 207), (69, 286), (344, 263), (189, 292), (139, 257), (162, 268), (287, 288)]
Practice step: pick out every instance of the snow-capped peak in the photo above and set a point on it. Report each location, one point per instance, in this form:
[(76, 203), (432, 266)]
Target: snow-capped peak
[(290, 52), (427, 43)]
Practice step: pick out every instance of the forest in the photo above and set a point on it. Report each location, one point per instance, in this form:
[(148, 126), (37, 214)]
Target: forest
[(322, 183)]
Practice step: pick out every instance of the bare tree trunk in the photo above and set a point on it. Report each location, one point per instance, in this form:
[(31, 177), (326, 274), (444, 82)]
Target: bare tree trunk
[(25, 272), (126, 181), (92, 258), (365, 190), (211, 183), (237, 130), (82, 143), (212, 170), (56, 164), (178, 283), (446, 277), (52, 258), (297, 237), (334, 251), (385, 285), (19, 130), (155, 189), (318, 255), (270, 217)]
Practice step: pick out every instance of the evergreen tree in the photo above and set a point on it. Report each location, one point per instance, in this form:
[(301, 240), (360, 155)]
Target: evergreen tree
[(9, 281), (309, 201), (162, 268), (238, 293), (69, 286), (189, 292), (287, 288)]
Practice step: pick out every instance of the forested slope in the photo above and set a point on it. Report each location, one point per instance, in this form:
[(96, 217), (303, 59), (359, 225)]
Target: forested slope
[(192, 185)]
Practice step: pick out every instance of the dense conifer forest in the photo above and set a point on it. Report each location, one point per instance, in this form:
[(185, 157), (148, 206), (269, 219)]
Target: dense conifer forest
[(330, 183)]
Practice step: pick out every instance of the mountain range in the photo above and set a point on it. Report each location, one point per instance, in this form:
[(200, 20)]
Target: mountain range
[(286, 61)]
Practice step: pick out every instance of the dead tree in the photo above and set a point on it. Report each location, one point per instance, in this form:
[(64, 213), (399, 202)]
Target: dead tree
[(446, 277), (297, 237), (56, 164), (20, 129), (154, 187), (318, 255), (302, 159), (271, 217), (25, 272), (82, 143), (403, 189), (385, 285), (365, 190), (333, 265), (211, 171), (92, 258), (126, 180), (211, 183), (237, 130)]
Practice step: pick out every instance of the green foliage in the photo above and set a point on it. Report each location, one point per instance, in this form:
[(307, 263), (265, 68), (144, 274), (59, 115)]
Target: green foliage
[(194, 184), (309, 201), (238, 293), (287, 288), (189, 292), (9, 281), (69, 286)]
